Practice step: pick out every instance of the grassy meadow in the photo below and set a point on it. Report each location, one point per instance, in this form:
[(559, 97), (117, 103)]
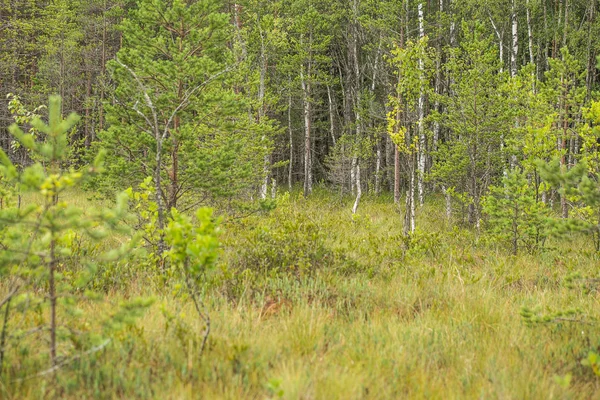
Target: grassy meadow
[(311, 302)]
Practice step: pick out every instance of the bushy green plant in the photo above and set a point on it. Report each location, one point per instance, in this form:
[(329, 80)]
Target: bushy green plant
[(194, 248), (287, 241)]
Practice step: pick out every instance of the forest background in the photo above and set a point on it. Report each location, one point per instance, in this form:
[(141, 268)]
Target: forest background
[(417, 175)]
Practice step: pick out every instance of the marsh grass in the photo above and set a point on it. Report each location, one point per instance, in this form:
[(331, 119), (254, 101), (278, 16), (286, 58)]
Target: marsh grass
[(359, 313)]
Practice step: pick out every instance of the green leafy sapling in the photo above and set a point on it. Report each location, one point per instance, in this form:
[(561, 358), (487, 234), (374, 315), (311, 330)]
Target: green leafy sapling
[(194, 248)]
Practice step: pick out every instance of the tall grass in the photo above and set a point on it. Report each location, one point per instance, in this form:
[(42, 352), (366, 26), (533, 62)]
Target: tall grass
[(359, 313)]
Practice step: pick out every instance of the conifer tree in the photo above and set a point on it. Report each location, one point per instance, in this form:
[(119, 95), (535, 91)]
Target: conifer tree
[(174, 114), (42, 253)]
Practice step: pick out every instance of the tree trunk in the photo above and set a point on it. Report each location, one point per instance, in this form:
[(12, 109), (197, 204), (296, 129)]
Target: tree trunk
[(331, 115), (421, 112), (358, 190), (291, 163), (500, 36), (566, 25), (515, 41), (261, 113), (307, 133), (409, 213), (530, 34), (591, 59), (357, 105)]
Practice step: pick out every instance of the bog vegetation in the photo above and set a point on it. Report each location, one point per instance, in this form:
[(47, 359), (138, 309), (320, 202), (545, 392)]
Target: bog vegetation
[(299, 199)]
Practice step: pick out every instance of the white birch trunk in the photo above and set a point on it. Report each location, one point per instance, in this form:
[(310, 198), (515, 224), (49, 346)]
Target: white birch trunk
[(515, 41), (530, 34), (307, 133), (378, 137), (358, 190), (438, 90), (500, 36), (409, 215), (331, 115), (452, 27), (355, 173), (421, 112), (290, 166), (261, 113)]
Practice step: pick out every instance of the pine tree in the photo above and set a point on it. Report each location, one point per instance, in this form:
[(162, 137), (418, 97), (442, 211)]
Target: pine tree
[(175, 115), (515, 216), (43, 254)]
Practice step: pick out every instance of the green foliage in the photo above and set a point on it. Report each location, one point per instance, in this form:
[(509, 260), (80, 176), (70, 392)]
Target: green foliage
[(515, 216), (287, 242), (176, 113), (419, 244), (48, 252), (580, 186), (592, 361), (194, 245), (478, 118)]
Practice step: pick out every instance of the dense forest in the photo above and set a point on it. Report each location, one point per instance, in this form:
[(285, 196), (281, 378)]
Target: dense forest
[(314, 199)]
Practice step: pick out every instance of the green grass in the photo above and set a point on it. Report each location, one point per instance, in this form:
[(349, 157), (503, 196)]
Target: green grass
[(356, 315)]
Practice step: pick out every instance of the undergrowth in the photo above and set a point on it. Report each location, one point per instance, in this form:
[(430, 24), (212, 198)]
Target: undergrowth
[(309, 301)]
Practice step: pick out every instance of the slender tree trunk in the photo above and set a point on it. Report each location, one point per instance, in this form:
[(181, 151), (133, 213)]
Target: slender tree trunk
[(566, 25), (389, 163), (421, 112), (530, 33), (515, 41), (546, 39), (331, 115), (358, 190), (558, 9), (103, 68), (261, 113), (357, 106), (88, 92), (409, 214), (53, 297), (448, 199), (378, 137), (438, 89), (563, 146), (290, 132), (378, 166), (396, 175), (500, 36), (396, 148), (307, 133), (452, 26), (591, 59)]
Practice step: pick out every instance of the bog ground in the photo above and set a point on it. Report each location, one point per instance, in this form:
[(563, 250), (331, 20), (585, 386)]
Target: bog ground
[(310, 302)]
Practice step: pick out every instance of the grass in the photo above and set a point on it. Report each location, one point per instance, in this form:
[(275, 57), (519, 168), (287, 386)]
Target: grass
[(356, 314)]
